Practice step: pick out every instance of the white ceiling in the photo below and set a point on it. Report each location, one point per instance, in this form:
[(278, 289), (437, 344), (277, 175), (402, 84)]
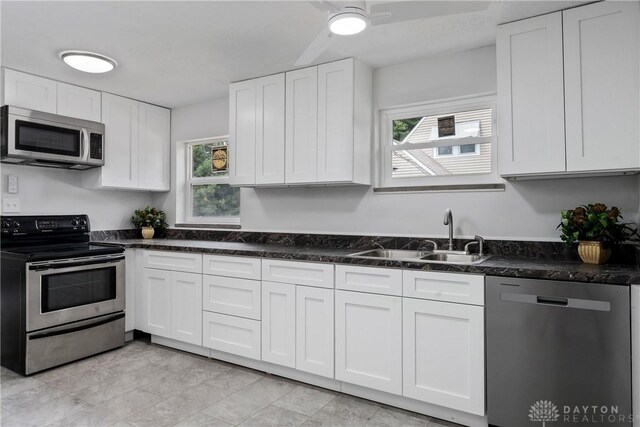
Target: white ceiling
[(179, 53)]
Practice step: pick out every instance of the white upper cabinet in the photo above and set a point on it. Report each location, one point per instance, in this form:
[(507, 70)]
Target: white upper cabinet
[(79, 102), (270, 129), (569, 90), (530, 96), (301, 140), (602, 86), (121, 119), (37, 93), (242, 132), (303, 127), (154, 147), (28, 91), (137, 144)]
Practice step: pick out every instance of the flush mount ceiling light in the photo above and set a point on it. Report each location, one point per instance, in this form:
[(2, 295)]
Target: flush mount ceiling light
[(88, 62), (347, 21)]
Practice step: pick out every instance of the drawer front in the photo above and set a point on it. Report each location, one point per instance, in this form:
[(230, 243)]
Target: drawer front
[(174, 261), (231, 266), (298, 273), (231, 334), (228, 295), (374, 280), (448, 287)]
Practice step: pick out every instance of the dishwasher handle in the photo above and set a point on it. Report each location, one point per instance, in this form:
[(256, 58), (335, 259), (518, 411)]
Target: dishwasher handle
[(560, 302), (563, 302)]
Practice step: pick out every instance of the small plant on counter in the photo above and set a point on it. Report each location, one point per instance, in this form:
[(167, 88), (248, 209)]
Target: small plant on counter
[(597, 228), (594, 222), (149, 219)]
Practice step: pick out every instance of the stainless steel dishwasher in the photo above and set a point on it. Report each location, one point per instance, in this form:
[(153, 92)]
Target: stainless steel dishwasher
[(558, 353)]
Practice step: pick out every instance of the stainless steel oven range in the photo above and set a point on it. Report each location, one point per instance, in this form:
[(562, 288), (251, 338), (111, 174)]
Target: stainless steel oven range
[(61, 296)]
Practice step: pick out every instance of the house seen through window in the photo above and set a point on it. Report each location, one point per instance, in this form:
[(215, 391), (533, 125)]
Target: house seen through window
[(210, 197), (420, 148)]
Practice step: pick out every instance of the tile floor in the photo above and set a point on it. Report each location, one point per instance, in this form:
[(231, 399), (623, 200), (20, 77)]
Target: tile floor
[(143, 384)]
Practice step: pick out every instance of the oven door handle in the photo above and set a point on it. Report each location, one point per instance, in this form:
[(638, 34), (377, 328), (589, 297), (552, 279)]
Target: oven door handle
[(68, 330), (74, 264)]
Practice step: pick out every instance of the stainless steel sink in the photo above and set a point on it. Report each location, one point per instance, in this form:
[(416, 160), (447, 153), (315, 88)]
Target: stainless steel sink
[(392, 254), (440, 257), (454, 258)]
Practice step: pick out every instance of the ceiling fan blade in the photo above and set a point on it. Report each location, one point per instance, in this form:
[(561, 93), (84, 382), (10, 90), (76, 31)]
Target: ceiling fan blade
[(325, 5), (315, 49), (399, 11)]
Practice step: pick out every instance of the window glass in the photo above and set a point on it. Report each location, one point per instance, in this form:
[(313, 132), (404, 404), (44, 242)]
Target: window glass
[(210, 197), (418, 149)]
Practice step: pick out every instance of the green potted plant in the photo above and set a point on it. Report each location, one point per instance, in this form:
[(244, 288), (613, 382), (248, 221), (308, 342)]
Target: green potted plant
[(596, 228), (149, 220)]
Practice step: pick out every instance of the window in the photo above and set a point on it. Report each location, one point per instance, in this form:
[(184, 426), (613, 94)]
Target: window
[(439, 143), (209, 197)]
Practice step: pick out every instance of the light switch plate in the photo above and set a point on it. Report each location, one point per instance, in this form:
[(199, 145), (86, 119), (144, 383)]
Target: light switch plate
[(10, 205), (12, 187)]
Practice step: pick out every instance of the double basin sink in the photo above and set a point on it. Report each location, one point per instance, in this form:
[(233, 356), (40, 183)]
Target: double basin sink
[(440, 257)]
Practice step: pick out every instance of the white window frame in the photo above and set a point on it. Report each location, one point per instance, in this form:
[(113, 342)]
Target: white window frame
[(190, 181), (384, 173)]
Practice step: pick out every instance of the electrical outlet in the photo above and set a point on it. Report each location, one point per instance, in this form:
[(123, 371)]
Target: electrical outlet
[(10, 205)]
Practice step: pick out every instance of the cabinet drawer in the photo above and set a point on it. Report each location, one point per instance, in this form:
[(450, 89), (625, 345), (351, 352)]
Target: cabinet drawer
[(228, 295), (174, 261), (231, 266), (231, 334), (299, 273), (369, 279), (450, 287)]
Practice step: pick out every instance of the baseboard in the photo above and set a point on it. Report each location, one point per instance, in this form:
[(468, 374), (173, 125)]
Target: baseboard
[(190, 348)]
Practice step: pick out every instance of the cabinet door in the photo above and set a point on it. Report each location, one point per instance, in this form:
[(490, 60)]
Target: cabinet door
[(154, 147), (186, 307), (301, 137), (314, 330), (279, 323), (444, 354), (120, 117), (130, 288), (335, 121), (369, 340), (242, 133), (157, 297), (530, 96), (270, 129), (79, 102), (602, 75), (28, 91)]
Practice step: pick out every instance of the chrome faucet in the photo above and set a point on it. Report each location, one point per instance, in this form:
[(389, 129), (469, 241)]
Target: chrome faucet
[(448, 220)]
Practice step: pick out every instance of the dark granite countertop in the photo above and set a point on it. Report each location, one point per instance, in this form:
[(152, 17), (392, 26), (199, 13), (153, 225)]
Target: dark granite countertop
[(507, 266)]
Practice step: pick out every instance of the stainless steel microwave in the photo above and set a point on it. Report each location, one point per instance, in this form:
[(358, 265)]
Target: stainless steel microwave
[(44, 139)]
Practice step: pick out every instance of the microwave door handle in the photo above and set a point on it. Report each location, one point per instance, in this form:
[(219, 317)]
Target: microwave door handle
[(84, 144)]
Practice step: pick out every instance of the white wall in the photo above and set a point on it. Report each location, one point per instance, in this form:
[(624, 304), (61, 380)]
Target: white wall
[(526, 210), (52, 191)]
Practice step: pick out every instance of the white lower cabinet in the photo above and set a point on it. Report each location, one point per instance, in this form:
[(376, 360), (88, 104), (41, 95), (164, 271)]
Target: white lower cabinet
[(279, 323), (130, 289), (186, 307), (173, 304), (369, 340), (443, 347), (314, 330), (230, 295), (231, 334)]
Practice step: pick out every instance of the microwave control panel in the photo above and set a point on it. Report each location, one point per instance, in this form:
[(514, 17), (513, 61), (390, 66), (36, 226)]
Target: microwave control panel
[(95, 146)]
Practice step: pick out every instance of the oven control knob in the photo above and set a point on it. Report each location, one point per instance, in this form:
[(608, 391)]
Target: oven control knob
[(74, 222), (5, 225), (83, 222), (15, 224)]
